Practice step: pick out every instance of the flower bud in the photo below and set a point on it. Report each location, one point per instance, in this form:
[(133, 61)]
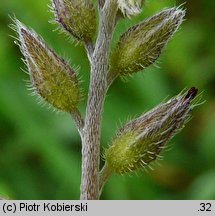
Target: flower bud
[(141, 140), (51, 77), (142, 44), (78, 17), (130, 7)]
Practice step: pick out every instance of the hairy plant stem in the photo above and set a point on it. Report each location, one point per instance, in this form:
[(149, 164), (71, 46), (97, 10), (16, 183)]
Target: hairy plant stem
[(97, 91), (101, 3)]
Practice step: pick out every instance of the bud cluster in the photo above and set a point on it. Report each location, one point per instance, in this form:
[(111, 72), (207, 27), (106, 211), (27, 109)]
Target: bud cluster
[(130, 7), (140, 141)]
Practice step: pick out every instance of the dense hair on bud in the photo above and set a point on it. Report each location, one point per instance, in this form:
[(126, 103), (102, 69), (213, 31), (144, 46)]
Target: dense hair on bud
[(141, 140), (78, 17), (130, 7), (143, 43), (51, 77)]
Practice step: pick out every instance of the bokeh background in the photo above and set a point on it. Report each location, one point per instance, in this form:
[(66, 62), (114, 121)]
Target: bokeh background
[(40, 151)]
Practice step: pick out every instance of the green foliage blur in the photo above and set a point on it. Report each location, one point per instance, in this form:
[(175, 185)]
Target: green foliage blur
[(40, 150)]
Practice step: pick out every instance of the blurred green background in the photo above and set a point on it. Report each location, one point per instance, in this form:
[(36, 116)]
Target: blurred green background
[(40, 151)]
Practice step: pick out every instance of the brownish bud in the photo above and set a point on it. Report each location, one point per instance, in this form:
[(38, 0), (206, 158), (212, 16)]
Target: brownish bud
[(78, 17), (140, 141)]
